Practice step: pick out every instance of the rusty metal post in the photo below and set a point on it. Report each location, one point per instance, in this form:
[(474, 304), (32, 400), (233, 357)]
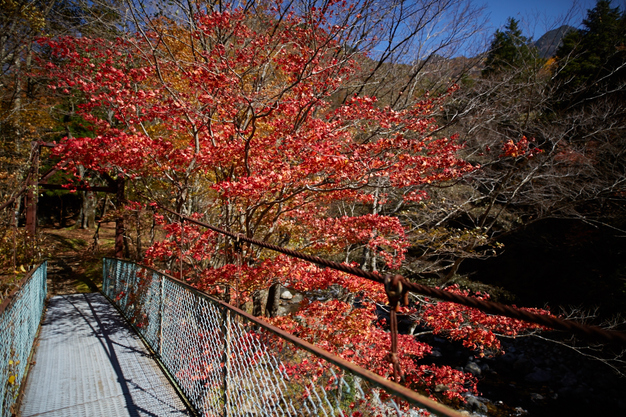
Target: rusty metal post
[(397, 296), (32, 193), (182, 240), (226, 359), (119, 221)]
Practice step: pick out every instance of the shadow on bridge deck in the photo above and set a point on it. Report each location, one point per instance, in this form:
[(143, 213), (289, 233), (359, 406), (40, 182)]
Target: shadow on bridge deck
[(90, 363)]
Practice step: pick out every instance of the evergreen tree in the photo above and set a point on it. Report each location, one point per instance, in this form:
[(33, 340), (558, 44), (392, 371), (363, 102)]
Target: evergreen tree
[(509, 50), (591, 61)]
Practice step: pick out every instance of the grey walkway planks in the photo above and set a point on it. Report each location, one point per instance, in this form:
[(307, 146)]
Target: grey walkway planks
[(90, 363)]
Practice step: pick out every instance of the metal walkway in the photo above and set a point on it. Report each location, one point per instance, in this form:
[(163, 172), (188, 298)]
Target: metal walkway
[(90, 363)]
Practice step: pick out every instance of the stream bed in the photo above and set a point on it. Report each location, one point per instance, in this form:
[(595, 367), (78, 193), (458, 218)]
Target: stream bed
[(535, 378)]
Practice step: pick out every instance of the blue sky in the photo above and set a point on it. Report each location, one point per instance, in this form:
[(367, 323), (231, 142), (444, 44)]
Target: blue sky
[(539, 16)]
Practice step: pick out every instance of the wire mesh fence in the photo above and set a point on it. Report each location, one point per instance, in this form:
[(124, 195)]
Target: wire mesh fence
[(20, 315), (229, 363)]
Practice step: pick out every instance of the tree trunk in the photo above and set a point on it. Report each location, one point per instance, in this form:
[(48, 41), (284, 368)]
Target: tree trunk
[(32, 193), (452, 272), (259, 301), (119, 221), (138, 241), (96, 240), (87, 216), (61, 212), (273, 299), (88, 210)]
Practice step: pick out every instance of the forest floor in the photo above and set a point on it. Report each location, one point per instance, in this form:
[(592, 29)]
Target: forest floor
[(74, 259), (74, 262)]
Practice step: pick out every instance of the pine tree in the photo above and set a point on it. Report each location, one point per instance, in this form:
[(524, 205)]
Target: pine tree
[(591, 61), (509, 50)]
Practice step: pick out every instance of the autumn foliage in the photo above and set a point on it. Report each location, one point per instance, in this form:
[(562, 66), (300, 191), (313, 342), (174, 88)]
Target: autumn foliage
[(238, 120)]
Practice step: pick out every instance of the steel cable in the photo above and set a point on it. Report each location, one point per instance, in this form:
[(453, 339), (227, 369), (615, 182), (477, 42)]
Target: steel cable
[(490, 307)]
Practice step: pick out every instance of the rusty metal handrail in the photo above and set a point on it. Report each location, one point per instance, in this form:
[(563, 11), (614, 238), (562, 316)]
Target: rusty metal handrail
[(20, 315), (127, 298), (9, 298), (592, 332)]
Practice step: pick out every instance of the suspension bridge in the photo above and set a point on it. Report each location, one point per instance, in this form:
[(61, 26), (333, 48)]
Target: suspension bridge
[(151, 345)]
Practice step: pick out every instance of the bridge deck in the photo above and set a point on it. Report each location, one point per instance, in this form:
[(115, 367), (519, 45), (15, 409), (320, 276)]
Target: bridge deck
[(90, 363)]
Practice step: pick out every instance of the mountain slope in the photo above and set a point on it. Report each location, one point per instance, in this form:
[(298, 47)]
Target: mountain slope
[(551, 40)]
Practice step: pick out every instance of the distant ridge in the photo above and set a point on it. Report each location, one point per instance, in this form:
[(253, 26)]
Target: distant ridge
[(551, 40)]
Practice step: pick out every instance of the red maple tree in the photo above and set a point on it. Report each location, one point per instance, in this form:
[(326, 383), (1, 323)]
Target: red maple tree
[(231, 119)]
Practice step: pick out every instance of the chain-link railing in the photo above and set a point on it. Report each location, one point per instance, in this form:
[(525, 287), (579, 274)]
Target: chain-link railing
[(230, 363), (20, 315)]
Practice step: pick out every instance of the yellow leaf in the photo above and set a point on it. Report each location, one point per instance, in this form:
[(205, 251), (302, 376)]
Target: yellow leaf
[(22, 268), (10, 362), (12, 379)]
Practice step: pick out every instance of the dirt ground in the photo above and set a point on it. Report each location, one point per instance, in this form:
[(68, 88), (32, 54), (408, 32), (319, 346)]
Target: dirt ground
[(74, 260)]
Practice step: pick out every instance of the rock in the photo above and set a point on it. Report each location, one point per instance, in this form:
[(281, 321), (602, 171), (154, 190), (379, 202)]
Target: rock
[(519, 411), (539, 375), (473, 368), (536, 397), (569, 379), (436, 353), (523, 365), (508, 358), (441, 388), (286, 295), (474, 403), (281, 311)]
